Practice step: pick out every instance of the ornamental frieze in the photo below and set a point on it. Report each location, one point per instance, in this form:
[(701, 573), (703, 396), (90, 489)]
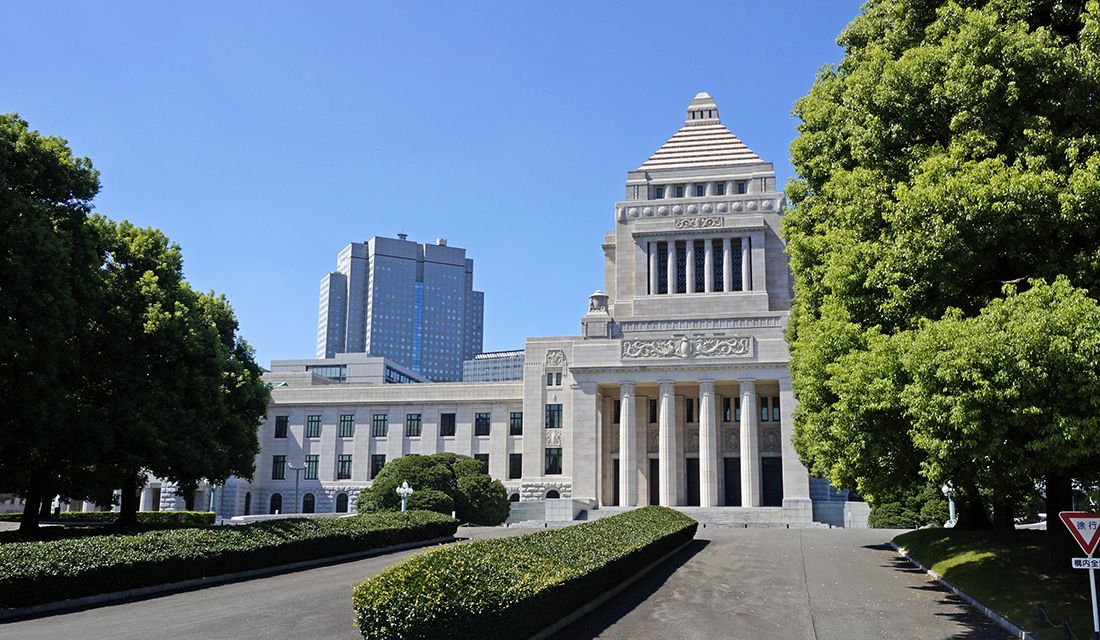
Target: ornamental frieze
[(688, 348), (713, 222), (553, 437), (555, 358)]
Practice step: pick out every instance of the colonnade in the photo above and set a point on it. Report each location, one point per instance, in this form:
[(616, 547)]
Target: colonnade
[(725, 249)]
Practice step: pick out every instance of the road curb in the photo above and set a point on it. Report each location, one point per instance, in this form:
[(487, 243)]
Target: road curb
[(11, 615), (591, 606), (997, 618)]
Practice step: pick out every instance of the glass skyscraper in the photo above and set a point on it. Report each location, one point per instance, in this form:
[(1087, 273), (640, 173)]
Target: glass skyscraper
[(410, 302)]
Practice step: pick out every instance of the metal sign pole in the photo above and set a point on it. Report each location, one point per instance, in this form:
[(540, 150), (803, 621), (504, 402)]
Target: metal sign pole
[(1095, 618)]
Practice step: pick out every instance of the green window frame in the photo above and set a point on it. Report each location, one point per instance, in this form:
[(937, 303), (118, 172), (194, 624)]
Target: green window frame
[(313, 426), (312, 464), (347, 426), (412, 425), (379, 425)]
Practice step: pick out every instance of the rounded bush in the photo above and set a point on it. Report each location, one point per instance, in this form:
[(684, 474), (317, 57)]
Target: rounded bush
[(485, 501), (431, 500)]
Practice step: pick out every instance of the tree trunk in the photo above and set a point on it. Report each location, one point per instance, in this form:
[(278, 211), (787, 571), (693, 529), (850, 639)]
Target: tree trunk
[(28, 523), (1060, 543), (1004, 517), (128, 503), (971, 511), (47, 504), (188, 491)]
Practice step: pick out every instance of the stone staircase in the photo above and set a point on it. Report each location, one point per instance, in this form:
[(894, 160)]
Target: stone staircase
[(735, 517)]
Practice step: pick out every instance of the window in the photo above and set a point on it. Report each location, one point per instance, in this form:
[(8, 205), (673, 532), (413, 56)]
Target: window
[(379, 425), (278, 467), (557, 379), (653, 410), (553, 461), (446, 424), (515, 466), (552, 494), (689, 409), (481, 424), (347, 426), (553, 416), (377, 461), (342, 503), (276, 503), (483, 458), (513, 498), (412, 425), (343, 466), (775, 409), (719, 188), (700, 190), (515, 423), (549, 379), (311, 467), (763, 408), (737, 409), (727, 410), (658, 192), (313, 426), (617, 411), (309, 503), (742, 187), (679, 191), (281, 426)]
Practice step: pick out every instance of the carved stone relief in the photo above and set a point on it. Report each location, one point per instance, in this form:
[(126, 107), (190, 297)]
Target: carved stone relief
[(691, 442), (652, 440), (553, 437), (713, 222), (731, 439), (555, 358), (770, 439), (614, 437), (687, 347)]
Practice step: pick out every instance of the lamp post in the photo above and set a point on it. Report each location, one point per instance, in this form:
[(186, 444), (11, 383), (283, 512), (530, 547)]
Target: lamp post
[(949, 493), (404, 491), (297, 474)]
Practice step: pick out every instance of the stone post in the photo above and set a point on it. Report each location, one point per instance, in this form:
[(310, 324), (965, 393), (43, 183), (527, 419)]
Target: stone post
[(628, 471), (666, 452), (750, 446), (708, 446)]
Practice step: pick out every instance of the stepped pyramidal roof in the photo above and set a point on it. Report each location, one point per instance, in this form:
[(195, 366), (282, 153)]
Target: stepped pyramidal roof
[(703, 141)]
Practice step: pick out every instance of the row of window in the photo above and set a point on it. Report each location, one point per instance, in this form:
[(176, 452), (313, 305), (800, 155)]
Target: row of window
[(377, 461), (413, 424), (680, 190), (309, 503), (731, 409)]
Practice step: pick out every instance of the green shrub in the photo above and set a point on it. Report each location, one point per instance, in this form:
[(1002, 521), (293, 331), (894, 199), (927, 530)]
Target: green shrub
[(445, 473), (37, 572), (892, 515), (431, 500), (148, 519), (514, 587)]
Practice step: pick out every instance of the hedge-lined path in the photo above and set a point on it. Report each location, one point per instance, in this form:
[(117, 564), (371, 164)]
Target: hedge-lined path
[(812, 584), (314, 603)]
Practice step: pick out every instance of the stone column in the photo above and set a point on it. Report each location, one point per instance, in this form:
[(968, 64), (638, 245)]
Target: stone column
[(727, 264), (653, 268), (708, 446), (797, 506), (666, 452), (628, 471), (750, 446), (607, 464), (708, 265), (689, 266), (671, 244), (746, 264)]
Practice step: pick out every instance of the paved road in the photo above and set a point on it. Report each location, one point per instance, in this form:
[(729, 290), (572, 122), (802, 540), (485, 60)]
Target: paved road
[(809, 584), (315, 603)]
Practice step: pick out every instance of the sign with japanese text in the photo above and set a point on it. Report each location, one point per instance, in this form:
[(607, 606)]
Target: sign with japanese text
[(1085, 528)]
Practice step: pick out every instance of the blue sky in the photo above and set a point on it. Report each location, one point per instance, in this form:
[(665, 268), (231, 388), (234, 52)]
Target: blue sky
[(263, 137)]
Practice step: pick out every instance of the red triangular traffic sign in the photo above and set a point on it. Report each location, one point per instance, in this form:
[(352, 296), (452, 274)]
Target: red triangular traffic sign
[(1085, 527)]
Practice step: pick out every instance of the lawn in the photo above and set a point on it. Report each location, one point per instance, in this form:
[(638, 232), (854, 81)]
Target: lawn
[(1008, 574)]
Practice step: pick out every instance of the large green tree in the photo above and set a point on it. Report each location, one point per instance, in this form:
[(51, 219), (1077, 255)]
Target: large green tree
[(955, 149), (441, 482), (47, 282)]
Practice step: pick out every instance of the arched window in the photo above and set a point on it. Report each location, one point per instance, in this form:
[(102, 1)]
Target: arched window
[(248, 503), (276, 503), (552, 495), (513, 498), (309, 503), (342, 503)]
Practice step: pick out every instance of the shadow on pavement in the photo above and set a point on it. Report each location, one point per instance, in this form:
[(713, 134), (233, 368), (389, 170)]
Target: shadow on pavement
[(596, 622)]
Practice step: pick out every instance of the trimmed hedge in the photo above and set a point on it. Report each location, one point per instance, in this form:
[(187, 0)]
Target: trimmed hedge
[(514, 587), (38, 572), (149, 519)]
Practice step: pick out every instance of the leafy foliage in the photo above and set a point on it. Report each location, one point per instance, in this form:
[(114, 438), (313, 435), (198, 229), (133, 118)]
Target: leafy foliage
[(37, 572), (514, 587), (470, 492), (910, 509), (147, 519)]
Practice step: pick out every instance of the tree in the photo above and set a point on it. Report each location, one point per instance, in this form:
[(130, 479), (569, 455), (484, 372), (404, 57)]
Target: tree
[(956, 148), (441, 482), (47, 264)]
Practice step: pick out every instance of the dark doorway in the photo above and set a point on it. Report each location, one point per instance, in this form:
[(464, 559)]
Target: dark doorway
[(276, 503), (309, 503), (771, 482), (248, 503), (692, 467), (615, 484), (733, 481), (654, 481), (342, 503)]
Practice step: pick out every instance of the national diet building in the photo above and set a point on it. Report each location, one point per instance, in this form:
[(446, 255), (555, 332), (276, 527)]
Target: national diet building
[(675, 392)]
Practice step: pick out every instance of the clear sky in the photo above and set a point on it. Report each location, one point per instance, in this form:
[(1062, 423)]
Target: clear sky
[(264, 136)]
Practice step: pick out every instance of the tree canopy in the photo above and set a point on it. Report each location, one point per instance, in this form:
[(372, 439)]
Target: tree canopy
[(954, 150)]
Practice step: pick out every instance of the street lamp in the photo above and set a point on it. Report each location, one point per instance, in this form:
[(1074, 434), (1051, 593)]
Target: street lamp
[(404, 491), (949, 493), (297, 474)]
